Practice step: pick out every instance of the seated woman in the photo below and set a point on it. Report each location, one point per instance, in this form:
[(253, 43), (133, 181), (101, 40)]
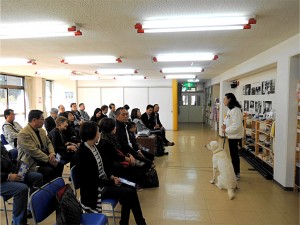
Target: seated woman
[(97, 116), (136, 118), (96, 183), (71, 133), (113, 159), (131, 127), (65, 149)]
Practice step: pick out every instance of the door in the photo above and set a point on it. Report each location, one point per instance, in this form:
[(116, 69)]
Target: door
[(191, 107)]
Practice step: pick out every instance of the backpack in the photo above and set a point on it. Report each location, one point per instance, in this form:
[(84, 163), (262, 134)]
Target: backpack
[(68, 209)]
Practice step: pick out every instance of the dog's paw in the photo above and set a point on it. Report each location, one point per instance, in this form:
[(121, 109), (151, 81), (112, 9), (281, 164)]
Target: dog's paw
[(212, 181)]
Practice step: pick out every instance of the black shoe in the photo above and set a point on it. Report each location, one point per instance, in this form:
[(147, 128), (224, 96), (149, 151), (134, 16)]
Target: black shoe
[(166, 153), (29, 215)]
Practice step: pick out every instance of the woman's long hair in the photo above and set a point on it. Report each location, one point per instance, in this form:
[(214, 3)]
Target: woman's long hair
[(232, 101), (134, 113)]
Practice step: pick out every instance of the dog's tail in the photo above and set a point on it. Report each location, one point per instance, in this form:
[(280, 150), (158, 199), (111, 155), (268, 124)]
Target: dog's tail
[(230, 193)]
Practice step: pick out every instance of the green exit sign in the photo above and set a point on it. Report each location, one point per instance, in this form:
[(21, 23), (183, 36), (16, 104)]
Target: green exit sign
[(189, 85)]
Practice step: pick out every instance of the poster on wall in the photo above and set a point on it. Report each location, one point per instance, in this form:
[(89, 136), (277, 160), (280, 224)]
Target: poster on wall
[(69, 97), (258, 107), (267, 106), (247, 89), (268, 87), (251, 107), (246, 106)]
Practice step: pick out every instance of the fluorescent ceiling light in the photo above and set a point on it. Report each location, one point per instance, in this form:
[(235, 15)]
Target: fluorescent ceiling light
[(91, 59), (133, 77), (193, 81), (185, 57), (115, 71), (84, 77), (182, 70), (37, 30), (180, 76), (16, 62), (196, 24), (54, 72)]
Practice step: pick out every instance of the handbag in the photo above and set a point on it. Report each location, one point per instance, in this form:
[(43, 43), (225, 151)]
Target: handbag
[(68, 209), (151, 179)]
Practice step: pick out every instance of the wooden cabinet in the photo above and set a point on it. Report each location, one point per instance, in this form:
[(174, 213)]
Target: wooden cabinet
[(258, 145)]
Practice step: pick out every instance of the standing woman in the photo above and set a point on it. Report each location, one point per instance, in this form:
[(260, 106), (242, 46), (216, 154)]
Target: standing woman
[(233, 128), (96, 184)]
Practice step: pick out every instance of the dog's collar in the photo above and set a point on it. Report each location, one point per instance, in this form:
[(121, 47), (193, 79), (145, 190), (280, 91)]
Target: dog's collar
[(217, 151)]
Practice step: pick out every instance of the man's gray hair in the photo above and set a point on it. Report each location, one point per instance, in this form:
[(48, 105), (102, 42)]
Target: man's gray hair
[(54, 110)]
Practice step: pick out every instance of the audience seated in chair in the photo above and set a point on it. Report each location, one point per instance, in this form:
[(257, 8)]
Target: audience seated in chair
[(97, 116), (83, 114), (104, 109), (13, 186), (61, 109), (11, 128), (65, 149), (71, 134), (50, 120), (114, 161), (96, 184), (149, 120), (35, 148), (112, 113), (77, 117)]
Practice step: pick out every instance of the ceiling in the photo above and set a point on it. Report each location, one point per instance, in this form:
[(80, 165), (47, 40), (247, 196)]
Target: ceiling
[(108, 29)]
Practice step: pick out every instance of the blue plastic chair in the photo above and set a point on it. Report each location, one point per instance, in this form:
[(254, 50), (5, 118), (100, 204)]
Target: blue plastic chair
[(42, 204), (3, 140), (112, 203)]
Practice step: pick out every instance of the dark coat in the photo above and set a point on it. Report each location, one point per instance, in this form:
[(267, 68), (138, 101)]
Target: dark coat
[(122, 138), (89, 176), (49, 124), (6, 165), (149, 122)]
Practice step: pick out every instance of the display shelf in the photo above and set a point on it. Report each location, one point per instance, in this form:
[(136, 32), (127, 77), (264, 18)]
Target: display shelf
[(262, 156)]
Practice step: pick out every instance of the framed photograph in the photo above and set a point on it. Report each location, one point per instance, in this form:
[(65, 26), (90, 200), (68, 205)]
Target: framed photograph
[(251, 107), (272, 87), (248, 89), (258, 107), (267, 106), (258, 90), (246, 106), (253, 90)]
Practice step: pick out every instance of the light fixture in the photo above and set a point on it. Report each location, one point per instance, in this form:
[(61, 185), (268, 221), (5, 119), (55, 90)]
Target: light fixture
[(182, 70), (54, 72), (180, 76), (184, 57), (193, 80), (91, 59), (38, 30), (196, 24), (115, 71), (16, 62), (132, 77), (84, 77)]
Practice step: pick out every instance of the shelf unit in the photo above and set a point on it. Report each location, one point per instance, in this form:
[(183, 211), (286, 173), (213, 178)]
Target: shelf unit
[(257, 142)]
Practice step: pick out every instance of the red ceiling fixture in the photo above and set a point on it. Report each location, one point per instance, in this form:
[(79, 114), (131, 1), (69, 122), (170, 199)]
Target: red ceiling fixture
[(119, 60), (32, 62), (72, 29), (78, 33)]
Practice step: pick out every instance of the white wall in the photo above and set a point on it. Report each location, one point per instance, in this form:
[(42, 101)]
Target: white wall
[(137, 94), (60, 88), (279, 55)]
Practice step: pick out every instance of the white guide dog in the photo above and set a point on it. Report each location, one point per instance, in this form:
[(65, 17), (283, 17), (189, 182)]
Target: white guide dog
[(226, 179)]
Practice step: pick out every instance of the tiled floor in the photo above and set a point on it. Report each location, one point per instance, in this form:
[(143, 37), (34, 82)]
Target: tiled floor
[(185, 196)]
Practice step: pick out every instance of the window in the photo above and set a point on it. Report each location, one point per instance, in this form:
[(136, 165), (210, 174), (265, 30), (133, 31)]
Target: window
[(48, 97), (12, 97)]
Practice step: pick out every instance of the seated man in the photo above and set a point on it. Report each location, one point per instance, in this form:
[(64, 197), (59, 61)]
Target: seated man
[(104, 109), (13, 186), (158, 124), (50, 121), (78, 120), (84, 115), (35, 148), (149, 121), (112, 112), (61, 109), (11, 128)]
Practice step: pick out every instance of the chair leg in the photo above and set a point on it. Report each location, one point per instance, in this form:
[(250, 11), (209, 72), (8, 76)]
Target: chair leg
[(5, 211)]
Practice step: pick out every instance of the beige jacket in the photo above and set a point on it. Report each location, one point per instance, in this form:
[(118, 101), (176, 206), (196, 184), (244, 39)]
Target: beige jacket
[(29, 147)]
